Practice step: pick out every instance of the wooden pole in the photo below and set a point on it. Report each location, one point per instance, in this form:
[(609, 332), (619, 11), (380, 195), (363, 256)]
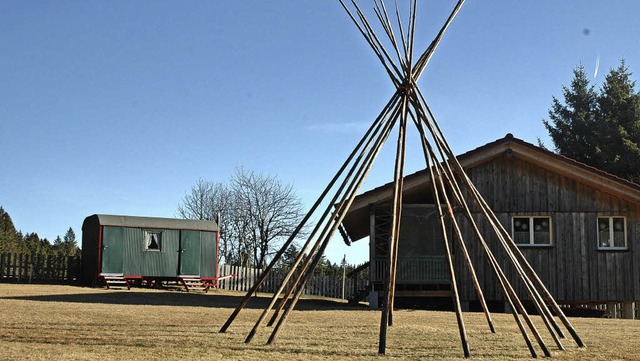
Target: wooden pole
[(429, 153), (373, 139), (422, 62), (454, 286), (365, 30), (520, 308), (545, 292), (513, 251), (462, 202), (344, 273), (518, 304), (364, 170), (294, 300), (397, 208), (508, 242), (311, 211), (370, 150), (383, 17)]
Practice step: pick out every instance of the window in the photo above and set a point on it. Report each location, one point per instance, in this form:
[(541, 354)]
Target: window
[(612, 233), (153, 241), (532, 231)]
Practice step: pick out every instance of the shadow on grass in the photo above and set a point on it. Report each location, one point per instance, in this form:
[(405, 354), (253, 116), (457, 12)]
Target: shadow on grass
[(168, 298)]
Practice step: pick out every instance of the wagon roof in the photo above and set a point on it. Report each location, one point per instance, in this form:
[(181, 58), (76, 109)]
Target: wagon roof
[(356, 221), (153, 222)]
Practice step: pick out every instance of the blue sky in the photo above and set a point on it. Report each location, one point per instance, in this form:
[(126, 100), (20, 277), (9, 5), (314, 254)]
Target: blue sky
[(119, 107)]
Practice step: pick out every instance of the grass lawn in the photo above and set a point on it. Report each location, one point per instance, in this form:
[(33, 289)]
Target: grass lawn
[(43, 322)]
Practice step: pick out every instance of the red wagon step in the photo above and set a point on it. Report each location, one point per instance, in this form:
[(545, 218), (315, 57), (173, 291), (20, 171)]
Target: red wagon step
[(115, 280), (195, 283)]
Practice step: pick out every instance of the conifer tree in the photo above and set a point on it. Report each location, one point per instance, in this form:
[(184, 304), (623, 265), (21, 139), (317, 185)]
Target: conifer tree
[(573, 127), (10, 239), (619, 114), (602, 128), (69, 244)]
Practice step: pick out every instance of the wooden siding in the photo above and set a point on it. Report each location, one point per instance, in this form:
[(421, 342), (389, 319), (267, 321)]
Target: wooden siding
[(572, 268)]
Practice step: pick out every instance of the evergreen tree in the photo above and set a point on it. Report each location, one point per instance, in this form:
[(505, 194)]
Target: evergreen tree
[(619, 114), (601, 129), (57, 244), (289, 257), (573, 127), (70, 247), (10, 239), (33, 244)]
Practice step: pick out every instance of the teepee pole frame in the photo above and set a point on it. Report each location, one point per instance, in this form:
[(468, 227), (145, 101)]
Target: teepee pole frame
[(451, 189)]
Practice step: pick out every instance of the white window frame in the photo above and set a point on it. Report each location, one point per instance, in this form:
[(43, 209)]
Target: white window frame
[(531, 230), (147, 241), (611, 233)]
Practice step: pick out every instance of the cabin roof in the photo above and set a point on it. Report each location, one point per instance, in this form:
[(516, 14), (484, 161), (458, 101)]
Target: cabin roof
[(151, 222), (356, 221)]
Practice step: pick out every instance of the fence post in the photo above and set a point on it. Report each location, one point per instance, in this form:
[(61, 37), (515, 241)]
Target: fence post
[(20, 268), (31, 270), (51, 267), (9, 263), (236, 284)]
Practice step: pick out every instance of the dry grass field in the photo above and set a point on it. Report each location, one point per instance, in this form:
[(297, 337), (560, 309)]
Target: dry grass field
[(43, 322)]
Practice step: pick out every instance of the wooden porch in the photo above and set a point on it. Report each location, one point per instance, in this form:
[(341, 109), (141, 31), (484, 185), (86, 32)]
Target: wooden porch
[(413, 270)]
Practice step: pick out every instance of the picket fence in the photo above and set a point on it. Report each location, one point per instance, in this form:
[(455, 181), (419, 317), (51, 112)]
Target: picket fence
[(335, 286), (38, 268)]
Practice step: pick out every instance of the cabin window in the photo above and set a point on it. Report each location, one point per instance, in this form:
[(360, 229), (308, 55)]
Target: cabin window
[(532, 231), (153, 241), (612, 233)]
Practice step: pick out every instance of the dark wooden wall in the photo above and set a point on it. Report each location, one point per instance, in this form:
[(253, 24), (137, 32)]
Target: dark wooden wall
[(573, 269)]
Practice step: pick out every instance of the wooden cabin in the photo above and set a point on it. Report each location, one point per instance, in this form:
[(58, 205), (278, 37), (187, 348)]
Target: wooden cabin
[(577, 226), (129, 248)]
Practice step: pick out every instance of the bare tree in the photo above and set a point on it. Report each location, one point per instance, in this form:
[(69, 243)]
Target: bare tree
[(208, 201), (270, 209), (201, 202), (257, 213)]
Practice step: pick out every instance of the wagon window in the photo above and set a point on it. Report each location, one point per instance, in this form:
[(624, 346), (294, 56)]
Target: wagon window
[(153, 241), (612, 233), (532, 231)]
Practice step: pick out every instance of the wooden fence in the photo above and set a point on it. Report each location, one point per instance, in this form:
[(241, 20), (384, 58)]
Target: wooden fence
[(319, 285), (27, 268)]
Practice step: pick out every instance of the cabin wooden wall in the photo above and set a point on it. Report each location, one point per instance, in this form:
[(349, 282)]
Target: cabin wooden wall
[(573, 269)]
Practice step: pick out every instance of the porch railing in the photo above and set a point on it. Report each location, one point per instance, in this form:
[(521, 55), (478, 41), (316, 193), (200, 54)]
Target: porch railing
[(416, 270)]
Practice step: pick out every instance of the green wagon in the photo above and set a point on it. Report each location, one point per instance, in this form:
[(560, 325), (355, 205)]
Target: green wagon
[(149, 249)]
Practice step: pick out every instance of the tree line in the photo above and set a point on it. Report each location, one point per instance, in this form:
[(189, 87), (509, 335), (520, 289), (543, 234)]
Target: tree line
[(14, 241), (599, 127)]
